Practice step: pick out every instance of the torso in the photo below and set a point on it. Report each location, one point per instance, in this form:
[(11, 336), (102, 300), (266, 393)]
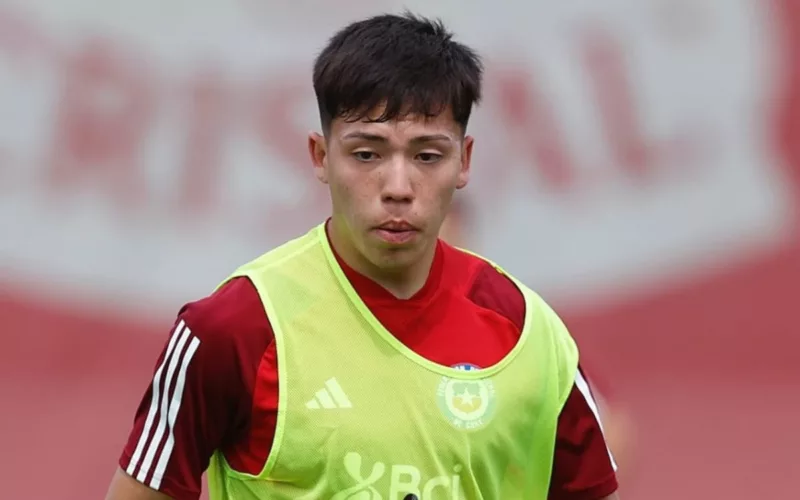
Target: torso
[(354, 391), (232, 389), (467, 313)]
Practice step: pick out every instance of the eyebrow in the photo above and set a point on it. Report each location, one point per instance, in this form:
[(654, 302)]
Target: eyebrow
[(379, 138)]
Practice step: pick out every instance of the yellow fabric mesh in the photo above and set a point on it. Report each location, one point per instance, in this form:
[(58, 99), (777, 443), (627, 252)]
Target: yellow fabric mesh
[(363, 418)]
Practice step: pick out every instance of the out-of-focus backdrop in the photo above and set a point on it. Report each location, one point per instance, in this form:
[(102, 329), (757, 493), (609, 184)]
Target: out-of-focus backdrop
[(637, 162)]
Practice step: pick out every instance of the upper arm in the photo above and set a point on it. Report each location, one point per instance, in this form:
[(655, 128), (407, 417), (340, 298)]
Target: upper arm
[(583, 466), (197, 402), (124, 487), (169, 430)]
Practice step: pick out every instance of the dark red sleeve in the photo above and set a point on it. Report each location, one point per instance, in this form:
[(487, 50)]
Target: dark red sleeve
[(583, 467), (200, 397)]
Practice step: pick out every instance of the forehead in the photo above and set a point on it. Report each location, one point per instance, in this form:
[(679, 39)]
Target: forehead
[(402, 128)]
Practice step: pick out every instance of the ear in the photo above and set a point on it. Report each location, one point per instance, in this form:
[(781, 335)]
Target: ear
[(466, 161), (318, 150)]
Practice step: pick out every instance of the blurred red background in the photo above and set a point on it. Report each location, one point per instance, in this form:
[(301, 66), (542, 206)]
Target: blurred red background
[(114, 215)]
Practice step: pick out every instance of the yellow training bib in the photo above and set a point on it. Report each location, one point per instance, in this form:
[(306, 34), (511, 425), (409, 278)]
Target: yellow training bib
[(362, 417)]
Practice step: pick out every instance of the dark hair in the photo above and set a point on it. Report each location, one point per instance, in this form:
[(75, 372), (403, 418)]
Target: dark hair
[(407, 63)]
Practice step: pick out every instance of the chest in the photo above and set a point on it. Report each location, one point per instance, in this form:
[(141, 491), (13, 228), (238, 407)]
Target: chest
[(450, 331), (415, 426)]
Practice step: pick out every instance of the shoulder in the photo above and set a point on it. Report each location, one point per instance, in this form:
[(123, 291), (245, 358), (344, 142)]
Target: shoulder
[(483, 284), (202, 390), (235, 301), (490, 288), (231, 322)]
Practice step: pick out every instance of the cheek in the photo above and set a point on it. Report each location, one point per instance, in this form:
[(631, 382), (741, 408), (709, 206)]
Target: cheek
[(435, 203), (447, 186), (350, 193)]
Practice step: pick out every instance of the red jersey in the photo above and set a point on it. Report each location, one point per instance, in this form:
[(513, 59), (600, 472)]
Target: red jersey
[(222, 380)]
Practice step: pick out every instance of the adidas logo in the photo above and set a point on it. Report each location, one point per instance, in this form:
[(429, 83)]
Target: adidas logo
[(329, 397)]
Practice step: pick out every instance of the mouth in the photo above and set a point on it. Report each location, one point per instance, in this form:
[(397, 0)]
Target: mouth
[(397, 225), (396, 232)]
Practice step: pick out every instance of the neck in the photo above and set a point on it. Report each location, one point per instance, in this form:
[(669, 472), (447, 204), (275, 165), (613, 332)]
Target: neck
[(401, 281)]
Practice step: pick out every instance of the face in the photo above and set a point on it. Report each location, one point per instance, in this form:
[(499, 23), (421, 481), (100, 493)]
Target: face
[(391, 184)]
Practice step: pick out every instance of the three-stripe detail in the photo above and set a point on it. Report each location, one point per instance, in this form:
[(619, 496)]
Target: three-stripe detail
[(329, 397), (153, 446)]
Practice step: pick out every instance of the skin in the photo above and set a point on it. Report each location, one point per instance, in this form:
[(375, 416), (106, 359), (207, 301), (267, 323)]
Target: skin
[(403, 170), (124, 487)]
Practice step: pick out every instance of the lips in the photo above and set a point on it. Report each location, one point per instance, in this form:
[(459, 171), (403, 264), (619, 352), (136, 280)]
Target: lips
[(397, 226), (396, 232)]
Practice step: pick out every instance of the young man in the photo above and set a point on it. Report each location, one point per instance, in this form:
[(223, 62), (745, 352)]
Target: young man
[(368, 359)]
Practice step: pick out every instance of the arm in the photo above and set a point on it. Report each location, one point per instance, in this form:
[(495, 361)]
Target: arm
[(124, 487), (583, 466), (195, 404)]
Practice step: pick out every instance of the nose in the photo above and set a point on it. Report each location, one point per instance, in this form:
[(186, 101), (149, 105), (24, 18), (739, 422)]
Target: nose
[(398, 186)]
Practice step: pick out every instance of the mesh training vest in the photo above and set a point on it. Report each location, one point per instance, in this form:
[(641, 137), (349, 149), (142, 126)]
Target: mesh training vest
[(362, 417)]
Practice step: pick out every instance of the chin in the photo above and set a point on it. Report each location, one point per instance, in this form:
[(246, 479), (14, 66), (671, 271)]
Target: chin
[(394, 258)]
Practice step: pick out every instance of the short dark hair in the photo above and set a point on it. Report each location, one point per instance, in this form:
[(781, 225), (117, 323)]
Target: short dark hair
[(407, 63)]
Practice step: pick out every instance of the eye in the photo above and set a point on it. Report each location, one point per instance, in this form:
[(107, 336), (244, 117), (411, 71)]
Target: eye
[(429, 157), (365, 156)]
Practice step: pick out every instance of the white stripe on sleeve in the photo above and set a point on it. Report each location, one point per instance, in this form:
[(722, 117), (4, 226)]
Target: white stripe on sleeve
[(163, 411), (583, 387), (155, 397), (174, 407)]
